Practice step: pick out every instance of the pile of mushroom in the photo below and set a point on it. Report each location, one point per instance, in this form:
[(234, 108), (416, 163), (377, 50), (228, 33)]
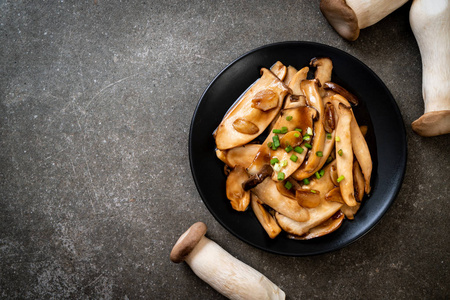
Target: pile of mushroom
[(430, 23), (313, 167)]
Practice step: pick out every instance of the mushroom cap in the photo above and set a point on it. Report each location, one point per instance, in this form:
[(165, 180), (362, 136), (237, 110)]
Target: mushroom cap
[(187, 242), (341, 17), (432, 123)]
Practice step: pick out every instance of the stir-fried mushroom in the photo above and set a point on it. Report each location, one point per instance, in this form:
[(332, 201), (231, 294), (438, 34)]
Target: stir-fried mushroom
[(244, 122), (279, 70), (242, 155), (239, 198), (358, 181), (324, 67), (291, 71), (330, 225), (341, 91), (267, 221)]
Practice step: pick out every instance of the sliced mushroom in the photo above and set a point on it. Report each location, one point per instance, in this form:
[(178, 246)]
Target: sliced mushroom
[(227, 136), (358, 181), (311, 90), (323, 184), (291, 71), (341, 91), (350, 211), (294, 85), (245, 127), (288, 192), (325, 228), (329, 121), (344, 155), (239, 198), (257, 178), (267, 221), (324, 67), (317, 216), (267, 192), (279, 70), (242, 155), (335, 195), (307, 198)]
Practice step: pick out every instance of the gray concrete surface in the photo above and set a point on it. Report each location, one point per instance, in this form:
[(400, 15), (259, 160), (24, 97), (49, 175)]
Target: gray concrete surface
[(95, 184)]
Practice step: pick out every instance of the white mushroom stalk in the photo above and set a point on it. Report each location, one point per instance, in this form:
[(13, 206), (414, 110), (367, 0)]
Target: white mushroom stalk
[(226, 274), (430, 23), (349, 16)]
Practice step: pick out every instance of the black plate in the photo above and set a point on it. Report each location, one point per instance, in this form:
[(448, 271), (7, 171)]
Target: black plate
[(377, 109)]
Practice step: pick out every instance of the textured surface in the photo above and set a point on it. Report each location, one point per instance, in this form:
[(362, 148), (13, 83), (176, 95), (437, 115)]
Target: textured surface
[(96, 99)]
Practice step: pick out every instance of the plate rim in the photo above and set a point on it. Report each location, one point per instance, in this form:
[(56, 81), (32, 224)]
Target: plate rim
[(402, 133)]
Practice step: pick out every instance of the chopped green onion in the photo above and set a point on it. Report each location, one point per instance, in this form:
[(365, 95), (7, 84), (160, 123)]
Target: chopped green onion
[(340, 152), (270, 144), (317, 175), (329, 136), (284, 163), (308, 146), (288, 118), (322, 172), (298, 129), (280, 176), (307, 137), (273, 161), (276, 141), (319, 153), (297, 135), (288, 185), (299, 149), (277, 167), (276, 131), (329, 159), (284, 129), (313, 191), (338, 139), (294, 157), (340, 178), (309, 131), (306, 181), (288, 149)]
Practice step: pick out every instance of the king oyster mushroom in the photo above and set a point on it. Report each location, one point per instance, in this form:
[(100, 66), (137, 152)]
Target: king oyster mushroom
[(279, 70), (267, 221), (238, 197), (250, 116), (242, 155), (330, 225)]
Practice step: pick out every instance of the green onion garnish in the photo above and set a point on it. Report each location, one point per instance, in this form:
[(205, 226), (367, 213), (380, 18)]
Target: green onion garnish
[(297, 135), (299, 149), (308, 146), (273, 161), (288, 118), (317, 175), (288, 185), (280, 176), (329, 136), (288, 149), (322, 172), (294, 157), (313, 191), (338, 139), (269, 144), (329, 159), (298, 129), (309, 131), (306, 181), (276, 131), (306, 137), (340, 178), (284, 163), (319, 153), (276, 141), (284, 129), (340, 152)]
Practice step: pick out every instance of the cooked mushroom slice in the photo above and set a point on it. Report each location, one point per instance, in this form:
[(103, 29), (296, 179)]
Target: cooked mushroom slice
[(341, 91), (264, 217), (350, 211), (245, 127), (291, 71), (344, 155), (358, 181), (317, 216), (257, 178), (307, 198), (288, 188), (324, 67), (323, 184), (363, 129), (359, 144), (227, 136), (326, 227), (334, 173), (242, 155), (279, 70), (265, 100), (289, 120), (267, 192), (335, 195), (311, 90), (294, 85), (329, 121), (239, 198)]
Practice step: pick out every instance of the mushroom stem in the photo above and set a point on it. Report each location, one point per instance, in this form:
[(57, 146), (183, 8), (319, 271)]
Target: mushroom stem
[(430, 23), (349, 16), (226, 274)]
